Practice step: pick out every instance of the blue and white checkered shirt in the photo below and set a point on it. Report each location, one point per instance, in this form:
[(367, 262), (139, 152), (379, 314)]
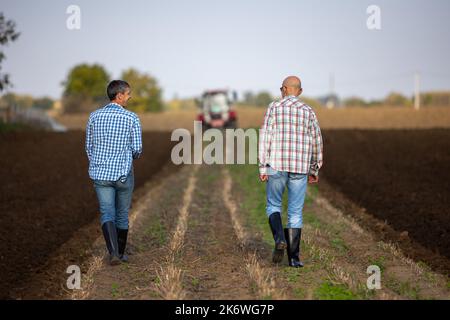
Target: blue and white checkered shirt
[(113, 140)]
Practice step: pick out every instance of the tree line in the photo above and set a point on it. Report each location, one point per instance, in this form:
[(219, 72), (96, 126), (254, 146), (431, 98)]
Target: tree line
[(85, 89)]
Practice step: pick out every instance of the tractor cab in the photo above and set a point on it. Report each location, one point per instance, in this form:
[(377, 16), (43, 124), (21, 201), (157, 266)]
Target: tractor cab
[(216, 109)]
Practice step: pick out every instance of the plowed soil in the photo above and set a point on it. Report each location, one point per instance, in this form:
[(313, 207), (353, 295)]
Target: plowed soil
[(401, 177), (46, 195)]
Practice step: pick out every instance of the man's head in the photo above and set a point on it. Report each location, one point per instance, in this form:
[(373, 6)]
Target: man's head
[(119, 91), (292, 86)]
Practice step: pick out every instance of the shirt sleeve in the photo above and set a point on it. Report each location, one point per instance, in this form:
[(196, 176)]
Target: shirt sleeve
[(88, 144), (265, 140), (136, 138), (317, 147)]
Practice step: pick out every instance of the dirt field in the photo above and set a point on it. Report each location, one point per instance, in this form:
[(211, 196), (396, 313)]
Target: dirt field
[(401, 177), (200, 232), (209, 239), (47, 195)]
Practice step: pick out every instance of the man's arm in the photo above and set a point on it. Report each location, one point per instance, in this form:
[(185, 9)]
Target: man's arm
[(265, 140), (88, 145), (136, 139), (317, 148)]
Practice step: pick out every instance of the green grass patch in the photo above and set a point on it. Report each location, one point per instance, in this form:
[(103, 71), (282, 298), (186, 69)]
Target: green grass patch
[(330, 291), (380, 262), (405, 289), (115, 290), (157, 231), (299, 293), (254, 198), (312, 220), (339, 245), (195, 282), (292, 274), (313, 191)]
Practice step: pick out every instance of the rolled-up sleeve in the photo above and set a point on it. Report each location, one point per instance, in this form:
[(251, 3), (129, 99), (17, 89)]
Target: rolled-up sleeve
[(265, 140), (317, 147), (136, 138), (88, 144)]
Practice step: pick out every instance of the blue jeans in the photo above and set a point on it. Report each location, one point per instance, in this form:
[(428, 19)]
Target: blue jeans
[(296, 184), (114, 198)]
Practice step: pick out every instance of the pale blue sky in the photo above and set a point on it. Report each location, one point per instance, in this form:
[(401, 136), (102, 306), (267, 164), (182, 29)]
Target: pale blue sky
[(242, 44)]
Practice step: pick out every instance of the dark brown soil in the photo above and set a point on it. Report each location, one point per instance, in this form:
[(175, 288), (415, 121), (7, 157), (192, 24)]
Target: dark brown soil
[(46, 196), (399, 176), (212, 256)]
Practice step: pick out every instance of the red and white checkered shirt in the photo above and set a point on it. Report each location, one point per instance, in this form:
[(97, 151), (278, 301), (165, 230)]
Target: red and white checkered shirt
[(290, 139)]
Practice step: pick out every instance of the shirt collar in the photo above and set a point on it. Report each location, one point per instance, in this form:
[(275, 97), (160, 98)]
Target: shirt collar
[(290, 97), (114, 104)]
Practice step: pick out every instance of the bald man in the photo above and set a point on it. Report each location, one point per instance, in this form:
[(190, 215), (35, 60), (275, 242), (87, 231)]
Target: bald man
[(290, 155)]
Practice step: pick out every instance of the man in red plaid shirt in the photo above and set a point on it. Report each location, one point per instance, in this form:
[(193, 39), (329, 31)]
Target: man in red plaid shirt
[(290, 155)]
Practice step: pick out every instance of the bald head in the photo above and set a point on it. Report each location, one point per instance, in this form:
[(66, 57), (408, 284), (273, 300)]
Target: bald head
[(292, 86)]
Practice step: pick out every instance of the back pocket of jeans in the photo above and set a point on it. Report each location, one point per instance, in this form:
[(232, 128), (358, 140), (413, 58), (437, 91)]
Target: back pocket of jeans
[(272, 173), (296, 176)]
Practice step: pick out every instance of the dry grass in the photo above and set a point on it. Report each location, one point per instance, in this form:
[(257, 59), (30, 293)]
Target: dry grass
[(261, 277), (348, 220), (170, 276), (170, 282), (178, 237), (337, 272), (364, 118), (396, 252), (344, 118), (96, 263)]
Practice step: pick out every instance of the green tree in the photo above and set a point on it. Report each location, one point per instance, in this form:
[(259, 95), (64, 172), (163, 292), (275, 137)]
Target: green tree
[(354, 102), (397, 99), (19, 101), (145, 92), (85, 88), (7, 34), (44, 103), (249, 98), (263, 99)]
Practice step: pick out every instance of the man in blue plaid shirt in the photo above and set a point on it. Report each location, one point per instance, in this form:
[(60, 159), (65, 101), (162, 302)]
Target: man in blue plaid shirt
[(113, 140)]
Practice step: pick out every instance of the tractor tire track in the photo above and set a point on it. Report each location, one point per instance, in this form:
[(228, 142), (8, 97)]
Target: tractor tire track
[(170, 275), (213, 259), (262, 277)]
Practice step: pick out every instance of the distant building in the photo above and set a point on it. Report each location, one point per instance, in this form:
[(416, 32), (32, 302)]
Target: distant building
[(435, 99), (330, 101)]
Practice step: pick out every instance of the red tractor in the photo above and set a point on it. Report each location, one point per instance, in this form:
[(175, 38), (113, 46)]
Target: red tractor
[(216, 109)]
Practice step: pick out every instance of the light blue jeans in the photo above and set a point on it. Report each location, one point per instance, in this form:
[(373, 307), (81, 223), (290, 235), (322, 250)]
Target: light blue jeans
[(114, 199), (296, 184)]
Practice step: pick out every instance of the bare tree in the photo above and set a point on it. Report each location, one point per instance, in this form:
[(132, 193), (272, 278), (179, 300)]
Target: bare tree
[(7, 34)]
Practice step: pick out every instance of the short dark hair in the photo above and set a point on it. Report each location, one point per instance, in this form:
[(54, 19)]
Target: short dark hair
[(115, 87)]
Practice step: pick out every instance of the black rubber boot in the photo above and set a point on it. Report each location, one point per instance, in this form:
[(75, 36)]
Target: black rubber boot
[(122, 235), (110, 234), (293, 237), (276, 226)]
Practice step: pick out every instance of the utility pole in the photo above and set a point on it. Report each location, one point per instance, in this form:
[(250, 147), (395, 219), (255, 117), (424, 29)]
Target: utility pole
[(417, 91)]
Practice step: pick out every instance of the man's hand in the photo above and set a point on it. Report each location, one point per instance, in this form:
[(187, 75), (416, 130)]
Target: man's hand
[(313, 179), (263, 177)]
